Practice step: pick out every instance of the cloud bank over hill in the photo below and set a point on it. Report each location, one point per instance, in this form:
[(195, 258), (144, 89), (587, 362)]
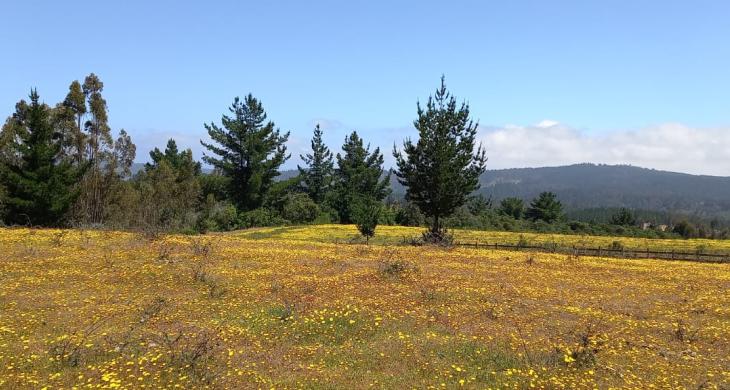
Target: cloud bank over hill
[(669, 146)]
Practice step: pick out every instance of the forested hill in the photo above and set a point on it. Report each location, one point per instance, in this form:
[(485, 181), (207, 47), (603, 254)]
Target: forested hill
[(586, 186)]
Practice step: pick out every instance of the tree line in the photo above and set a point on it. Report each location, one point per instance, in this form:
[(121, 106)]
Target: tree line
[(63, 165)]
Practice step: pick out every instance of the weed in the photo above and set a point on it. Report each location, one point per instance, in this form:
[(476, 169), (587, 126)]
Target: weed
[(397, 268), (616, 246), (283, 312), (684, 333), (192, 350)]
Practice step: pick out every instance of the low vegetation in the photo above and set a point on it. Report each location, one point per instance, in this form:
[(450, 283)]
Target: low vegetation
[(290, 308)]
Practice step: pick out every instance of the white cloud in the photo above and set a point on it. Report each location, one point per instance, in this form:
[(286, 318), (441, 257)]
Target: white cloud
[(669, 146)]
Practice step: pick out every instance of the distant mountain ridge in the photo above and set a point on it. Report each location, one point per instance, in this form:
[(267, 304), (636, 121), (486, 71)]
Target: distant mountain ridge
[(583, 186)]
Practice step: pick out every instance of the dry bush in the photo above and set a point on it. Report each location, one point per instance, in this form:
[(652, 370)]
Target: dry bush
[(57, 238), (530, 260), (193, 350), (397, 268), (684, 333), (147, 315), (201, 248), (441, 238), (70, 350), (585, 352)]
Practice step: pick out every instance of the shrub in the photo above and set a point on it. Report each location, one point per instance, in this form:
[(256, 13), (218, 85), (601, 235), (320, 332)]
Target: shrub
[(216, 216), (299, 208), (616, 246), (409, 215), (685, 229), (522, 242), (440, 238), (260, 217), (397, 268)]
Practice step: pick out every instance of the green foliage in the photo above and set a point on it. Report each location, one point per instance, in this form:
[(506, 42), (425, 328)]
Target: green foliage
[(217, 216), (365, 215), (442, 168), (299, 208), (317, 176), (109, 162), (214, 184), (279, 192), (40, 186), (260, 217), (359, 174), (624, 217), (546, 208), (685, 229), (181, 162), (478, 204), (170, 188), (409, 214), (512, 207), (249, 151), (70, 114)]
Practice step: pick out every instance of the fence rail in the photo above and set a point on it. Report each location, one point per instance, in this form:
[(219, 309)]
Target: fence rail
[(698, 256)]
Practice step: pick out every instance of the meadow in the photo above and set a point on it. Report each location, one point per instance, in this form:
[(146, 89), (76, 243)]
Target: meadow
[(311, 307), (398, 234)]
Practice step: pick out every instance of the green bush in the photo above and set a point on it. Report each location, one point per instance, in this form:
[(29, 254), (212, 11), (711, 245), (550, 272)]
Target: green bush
[(408, 214), (216, 216), (260, 217), (388, 214), (299, 208)]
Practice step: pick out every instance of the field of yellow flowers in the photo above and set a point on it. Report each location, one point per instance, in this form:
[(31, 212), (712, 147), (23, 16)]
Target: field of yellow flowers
[(288, 308)]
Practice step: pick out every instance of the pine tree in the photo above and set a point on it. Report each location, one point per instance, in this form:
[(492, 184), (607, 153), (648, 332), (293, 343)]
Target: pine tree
[(442, 168), (623, 217), (40, 185), (317, 175), (545, 207), (365, 215), (250, 152), (512, 207), (182, 162), (358, 177)]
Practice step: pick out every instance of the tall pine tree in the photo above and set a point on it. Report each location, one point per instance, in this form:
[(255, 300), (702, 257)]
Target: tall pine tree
[(358, 177), (317, 174), (443, 167), (40, 186), (249, 152)]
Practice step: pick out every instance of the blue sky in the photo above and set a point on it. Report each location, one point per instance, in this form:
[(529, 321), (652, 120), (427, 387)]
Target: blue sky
[(601, 74)]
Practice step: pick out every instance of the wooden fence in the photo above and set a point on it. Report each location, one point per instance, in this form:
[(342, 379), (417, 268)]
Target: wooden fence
[(621, 253)]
